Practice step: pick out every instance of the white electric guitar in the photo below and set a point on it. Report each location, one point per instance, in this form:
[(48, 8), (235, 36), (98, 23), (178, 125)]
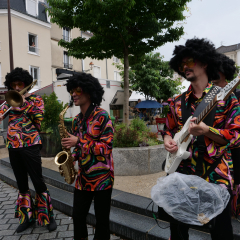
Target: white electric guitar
[(183, 138)]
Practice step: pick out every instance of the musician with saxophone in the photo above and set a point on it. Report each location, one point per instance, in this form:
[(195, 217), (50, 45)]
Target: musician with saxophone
[(198, 62), (92, 138), (24, 144)]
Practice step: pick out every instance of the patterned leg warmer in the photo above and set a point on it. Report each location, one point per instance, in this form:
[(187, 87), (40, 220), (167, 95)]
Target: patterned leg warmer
[(43, 208), (24, 208)]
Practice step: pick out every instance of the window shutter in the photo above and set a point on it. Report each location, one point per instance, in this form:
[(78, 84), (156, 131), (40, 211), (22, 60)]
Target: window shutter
[(32, 6)]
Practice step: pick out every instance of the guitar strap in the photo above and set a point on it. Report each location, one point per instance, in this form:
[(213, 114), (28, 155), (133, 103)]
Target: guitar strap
[(186, 113)]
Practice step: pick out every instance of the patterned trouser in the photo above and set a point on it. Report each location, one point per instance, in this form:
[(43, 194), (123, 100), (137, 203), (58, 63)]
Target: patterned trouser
[(26, 210)]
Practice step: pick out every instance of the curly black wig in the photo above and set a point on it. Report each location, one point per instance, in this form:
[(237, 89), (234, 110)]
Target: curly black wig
[(227, 67), (89, 85), (18, 74), (201, 50)]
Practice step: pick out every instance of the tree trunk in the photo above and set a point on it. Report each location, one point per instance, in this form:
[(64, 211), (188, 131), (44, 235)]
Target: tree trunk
[(126, 88)]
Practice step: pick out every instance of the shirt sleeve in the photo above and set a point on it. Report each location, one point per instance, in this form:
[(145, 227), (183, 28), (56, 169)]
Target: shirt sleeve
[(3, 109), (171, 126), (102, 145), (35, 110), (228, 129)]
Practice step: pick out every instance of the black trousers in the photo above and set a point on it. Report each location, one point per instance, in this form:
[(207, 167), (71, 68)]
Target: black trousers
[(24, 161), (81, 204), (221, 227)]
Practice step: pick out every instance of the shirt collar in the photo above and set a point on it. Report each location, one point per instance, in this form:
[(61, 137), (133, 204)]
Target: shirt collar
[(190, 91)]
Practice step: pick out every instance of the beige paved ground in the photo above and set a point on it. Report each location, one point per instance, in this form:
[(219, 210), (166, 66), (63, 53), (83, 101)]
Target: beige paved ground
[(140, 185)]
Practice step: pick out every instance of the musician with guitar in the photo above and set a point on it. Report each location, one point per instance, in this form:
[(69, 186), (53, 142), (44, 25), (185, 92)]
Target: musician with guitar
[(227, 71), (207, 132)]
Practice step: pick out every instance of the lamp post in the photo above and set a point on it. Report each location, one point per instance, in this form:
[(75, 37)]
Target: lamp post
[(91, 64), (10, 37)]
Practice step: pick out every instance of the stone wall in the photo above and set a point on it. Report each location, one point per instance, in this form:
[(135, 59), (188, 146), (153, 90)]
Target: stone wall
[(138, 160)]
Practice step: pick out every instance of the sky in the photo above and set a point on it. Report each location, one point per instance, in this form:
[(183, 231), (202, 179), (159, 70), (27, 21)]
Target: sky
[(216, 20)]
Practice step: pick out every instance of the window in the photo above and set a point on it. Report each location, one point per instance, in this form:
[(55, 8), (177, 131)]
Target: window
[(32, 43), (32, 7), (117, 76), (34, 71), (66, 60), (66, 34), (97, 72), (116, 60)]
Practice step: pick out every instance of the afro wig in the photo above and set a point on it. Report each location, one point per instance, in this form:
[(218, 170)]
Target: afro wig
[(18, 74), (201, 50), (227, 67), (89, 85)]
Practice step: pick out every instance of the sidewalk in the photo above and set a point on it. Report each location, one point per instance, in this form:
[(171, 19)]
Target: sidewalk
[(139, 185), (8, 223)]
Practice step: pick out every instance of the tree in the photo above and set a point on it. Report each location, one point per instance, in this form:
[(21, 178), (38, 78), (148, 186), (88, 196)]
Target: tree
[(120, 28), (152, 76)]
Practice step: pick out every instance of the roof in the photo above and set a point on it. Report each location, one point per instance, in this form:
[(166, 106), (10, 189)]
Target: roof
[(20, 6), (231, 48)]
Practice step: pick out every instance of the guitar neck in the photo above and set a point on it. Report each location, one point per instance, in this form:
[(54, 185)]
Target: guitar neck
[(200, 117)]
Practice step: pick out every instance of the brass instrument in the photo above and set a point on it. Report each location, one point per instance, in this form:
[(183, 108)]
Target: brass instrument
[(64, 159), (14, 98)]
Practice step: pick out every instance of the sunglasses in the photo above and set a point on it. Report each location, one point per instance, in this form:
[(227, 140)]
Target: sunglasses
[(19, 84), (189, 63), (77, 91)]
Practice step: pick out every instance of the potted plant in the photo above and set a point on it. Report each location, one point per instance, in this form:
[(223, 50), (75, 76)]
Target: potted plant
[(51, 141)]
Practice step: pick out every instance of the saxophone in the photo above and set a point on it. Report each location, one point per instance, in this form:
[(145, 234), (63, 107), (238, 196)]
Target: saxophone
[(64, 159)]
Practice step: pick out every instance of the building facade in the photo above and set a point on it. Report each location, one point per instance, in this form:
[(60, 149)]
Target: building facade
[(232, 51), (36, 49), (30, 37)]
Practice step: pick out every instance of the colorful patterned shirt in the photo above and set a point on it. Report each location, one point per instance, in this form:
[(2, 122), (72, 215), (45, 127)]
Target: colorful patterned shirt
[(94, 151), (24, 123), (226, 124)]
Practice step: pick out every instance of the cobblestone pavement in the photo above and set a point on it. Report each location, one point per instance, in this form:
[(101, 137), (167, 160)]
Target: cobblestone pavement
[(8, 223)]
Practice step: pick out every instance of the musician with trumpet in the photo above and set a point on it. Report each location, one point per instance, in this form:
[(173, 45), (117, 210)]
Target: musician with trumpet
[(198, 62), (24, 143)]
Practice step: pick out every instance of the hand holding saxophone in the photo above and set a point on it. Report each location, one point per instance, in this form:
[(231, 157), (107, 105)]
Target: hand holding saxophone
[(69, 142)]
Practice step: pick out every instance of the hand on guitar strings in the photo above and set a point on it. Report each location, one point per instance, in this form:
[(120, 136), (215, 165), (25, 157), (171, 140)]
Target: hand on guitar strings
[(197, 129), (69, 142), (169, 144)]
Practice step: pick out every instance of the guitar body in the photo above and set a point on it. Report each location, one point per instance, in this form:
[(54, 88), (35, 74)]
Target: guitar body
[(174, 159)]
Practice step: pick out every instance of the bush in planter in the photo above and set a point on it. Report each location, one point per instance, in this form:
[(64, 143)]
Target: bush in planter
[(135, 135), (49, 127)]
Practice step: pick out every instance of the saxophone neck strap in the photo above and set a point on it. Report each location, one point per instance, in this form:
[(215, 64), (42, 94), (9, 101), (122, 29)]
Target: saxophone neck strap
[(87, 114)]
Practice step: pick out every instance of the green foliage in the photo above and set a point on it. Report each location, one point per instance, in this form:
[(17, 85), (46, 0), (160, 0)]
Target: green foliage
[(52, 110), (135, 135), (136, 26), (152, 76), (165, 111), (120, 28)]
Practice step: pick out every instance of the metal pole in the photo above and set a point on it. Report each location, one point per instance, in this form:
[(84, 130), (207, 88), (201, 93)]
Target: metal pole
[(10, 37)]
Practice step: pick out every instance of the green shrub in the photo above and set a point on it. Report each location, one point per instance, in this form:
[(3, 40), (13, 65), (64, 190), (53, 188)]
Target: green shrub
[(137, 134), (51, 115)]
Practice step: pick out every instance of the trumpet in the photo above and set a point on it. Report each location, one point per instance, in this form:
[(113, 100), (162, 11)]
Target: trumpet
[(14, 98)]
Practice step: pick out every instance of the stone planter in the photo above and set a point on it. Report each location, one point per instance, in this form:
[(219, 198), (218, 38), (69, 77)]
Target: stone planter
[(138, 160), (51, 145)]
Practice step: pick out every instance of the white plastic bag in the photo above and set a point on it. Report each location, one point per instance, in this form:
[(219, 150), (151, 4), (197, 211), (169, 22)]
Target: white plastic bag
[(189, 198)]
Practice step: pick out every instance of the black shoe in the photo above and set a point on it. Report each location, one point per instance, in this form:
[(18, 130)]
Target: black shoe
[(24, 226), (52, 225)]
